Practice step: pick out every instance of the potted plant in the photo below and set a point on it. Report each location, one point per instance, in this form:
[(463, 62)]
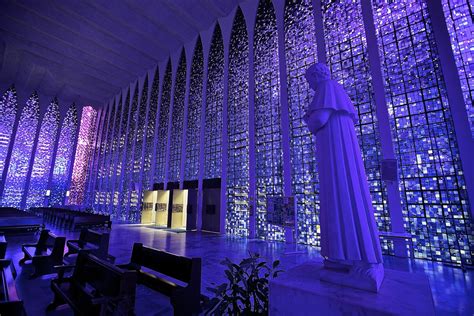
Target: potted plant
[(246, 292)]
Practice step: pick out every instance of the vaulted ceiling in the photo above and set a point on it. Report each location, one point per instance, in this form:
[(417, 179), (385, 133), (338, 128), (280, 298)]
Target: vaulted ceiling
[(87, 50)]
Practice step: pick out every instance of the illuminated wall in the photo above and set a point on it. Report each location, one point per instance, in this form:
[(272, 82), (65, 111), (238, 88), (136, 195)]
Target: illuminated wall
[(193, 131), (434, 198), (237, 220), (177, 120), (213, 115), (300, 53), (8, 108), (135, 187), (270, 152), (22, 151), (162, 135), (459, 20), (45, 145), (268, 135), (85, 143), (125, 182), (63, 161)]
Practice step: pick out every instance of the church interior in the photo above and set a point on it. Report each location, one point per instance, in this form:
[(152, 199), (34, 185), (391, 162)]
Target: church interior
[(238, 157)]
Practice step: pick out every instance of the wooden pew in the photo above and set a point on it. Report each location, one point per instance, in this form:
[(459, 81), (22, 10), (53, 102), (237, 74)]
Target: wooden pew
[(10, 303), (95, 287), (186, 300), (3, 246), (13, 220), (90, 241), (45, 254)]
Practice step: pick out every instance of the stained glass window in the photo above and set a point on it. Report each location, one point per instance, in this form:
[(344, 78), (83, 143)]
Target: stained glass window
[(459, 17), (434, 198), (213, 114), (43, 157), (8, 108), (150, 132), (119, 155), (177, 120), (135, 193), (110, 159), (85, 143), (268, 139), (163, 126), (237, 221), (300, 52), (193, 129), (347, 57), (63, 161), (21, 153), (127, 171)]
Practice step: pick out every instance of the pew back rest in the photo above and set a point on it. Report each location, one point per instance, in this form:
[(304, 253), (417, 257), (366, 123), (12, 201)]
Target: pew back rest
[(185, 269), (48, 240), (105, 278)]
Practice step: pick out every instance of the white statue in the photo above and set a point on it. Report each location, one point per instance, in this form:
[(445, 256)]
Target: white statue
[(349, 238)]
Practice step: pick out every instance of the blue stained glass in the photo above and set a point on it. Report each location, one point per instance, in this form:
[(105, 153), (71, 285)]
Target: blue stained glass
[(63, 161), (237, 221), (268, 139), (193, 129), (128, 162), (163, 126), (135, 193), (150, 132), (8, 108), (118, 160), (459, 19), (45, 146), (21, 154), (434, 199), (177, 119), (300, 52), (213, 114)]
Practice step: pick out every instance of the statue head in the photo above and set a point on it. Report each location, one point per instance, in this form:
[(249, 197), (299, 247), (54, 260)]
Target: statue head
[(317, 73)]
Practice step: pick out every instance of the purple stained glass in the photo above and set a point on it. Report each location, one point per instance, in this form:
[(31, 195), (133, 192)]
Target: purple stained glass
[(213, 111), (193, 130), (136, 187), (177, 120), (268, 139), (8, 109), (85, 144), (126, 181), (150, 132), (434, 198), (237, 221), (21, 154), (63, 161), (300, 52), (42, 163), (459, 20), (163, 121)]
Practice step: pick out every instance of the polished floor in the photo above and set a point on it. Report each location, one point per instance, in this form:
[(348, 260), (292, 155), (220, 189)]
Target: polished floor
[(453, 289)]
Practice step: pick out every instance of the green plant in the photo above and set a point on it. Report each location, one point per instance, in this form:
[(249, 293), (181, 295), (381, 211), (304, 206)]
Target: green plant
[(246, 292)]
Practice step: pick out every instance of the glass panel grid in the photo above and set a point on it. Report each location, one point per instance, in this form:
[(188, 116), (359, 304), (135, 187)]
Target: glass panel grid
[(177, 121), (150, 132), (45, 146), (300, 51), (193, 130), (237, 221), (8, 108), (268, 139), (434, 199)]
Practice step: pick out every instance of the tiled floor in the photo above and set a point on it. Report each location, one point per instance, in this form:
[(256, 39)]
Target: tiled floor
[(453, 289)]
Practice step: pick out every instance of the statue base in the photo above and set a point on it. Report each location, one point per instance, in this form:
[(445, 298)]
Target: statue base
[(300, 291), (360, 276)]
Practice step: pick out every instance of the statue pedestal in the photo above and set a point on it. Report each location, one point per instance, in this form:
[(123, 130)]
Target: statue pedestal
[(300, 291)]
